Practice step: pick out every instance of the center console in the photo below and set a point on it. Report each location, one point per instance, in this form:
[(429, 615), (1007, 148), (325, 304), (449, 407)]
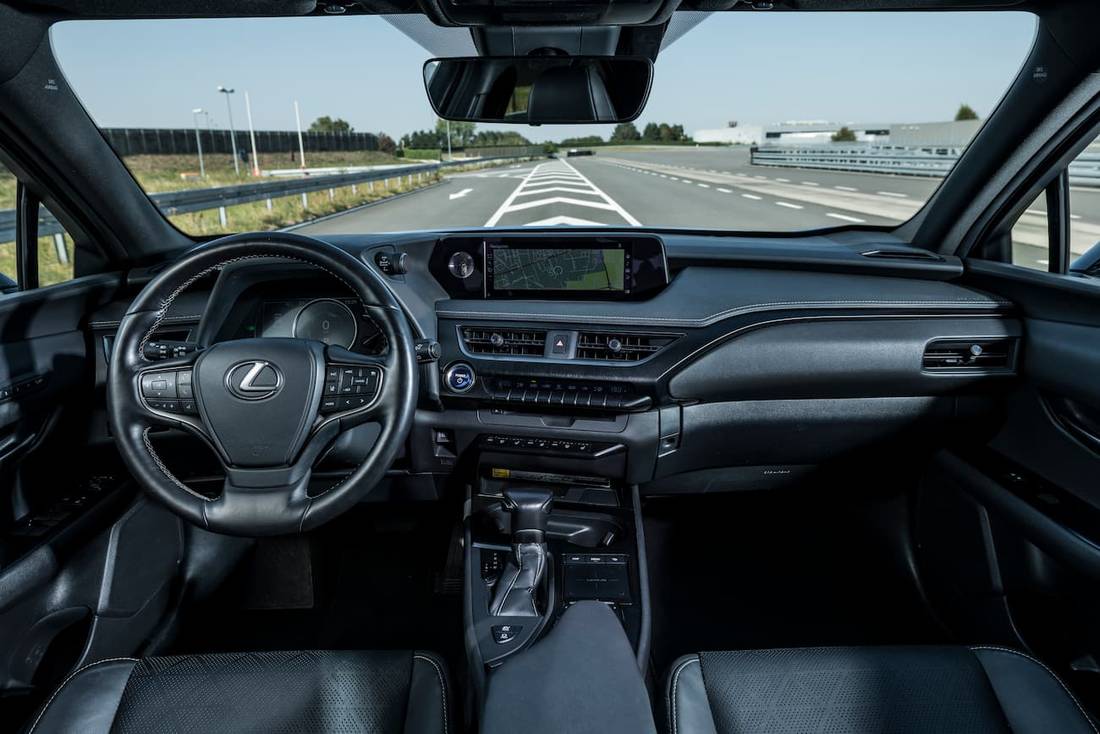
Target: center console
[(552, 425)]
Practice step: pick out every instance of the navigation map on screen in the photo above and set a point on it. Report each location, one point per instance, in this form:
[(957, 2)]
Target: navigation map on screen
[(559, 269)]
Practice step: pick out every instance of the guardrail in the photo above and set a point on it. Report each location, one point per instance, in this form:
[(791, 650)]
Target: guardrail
[(935, 161), (194, 200)]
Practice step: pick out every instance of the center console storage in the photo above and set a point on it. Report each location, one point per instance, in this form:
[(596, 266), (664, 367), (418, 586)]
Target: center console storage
[(548, 528), (582, 676)]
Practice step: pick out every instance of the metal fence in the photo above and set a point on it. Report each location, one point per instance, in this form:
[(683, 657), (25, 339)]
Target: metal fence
[(166, 141), (182, 141), (193, 200), (896, 159)]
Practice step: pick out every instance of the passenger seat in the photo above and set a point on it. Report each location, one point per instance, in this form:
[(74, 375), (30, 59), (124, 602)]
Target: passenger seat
[(852, 690)]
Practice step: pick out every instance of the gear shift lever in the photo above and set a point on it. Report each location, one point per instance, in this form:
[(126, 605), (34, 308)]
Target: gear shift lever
[(516, 593)]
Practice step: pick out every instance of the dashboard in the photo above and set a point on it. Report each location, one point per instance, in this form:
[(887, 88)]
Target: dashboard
[(677, 362)]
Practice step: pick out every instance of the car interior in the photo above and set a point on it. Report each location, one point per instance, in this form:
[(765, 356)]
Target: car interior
[(710, 480)]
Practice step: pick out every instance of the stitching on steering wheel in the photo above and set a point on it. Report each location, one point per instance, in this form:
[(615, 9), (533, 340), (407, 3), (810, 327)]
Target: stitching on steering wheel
[(164, 469)]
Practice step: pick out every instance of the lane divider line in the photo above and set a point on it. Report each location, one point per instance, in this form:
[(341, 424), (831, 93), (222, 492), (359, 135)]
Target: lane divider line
[(845, 217)]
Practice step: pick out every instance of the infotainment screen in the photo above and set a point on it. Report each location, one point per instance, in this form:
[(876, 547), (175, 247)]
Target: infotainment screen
[(608, 268), (566, 269)]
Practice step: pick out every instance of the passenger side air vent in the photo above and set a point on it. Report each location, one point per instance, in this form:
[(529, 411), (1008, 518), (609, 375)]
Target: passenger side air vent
[(970, 354), (609, 346), (504, 342)]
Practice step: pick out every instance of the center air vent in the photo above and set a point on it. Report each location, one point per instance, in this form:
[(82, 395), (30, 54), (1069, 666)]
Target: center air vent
[(969, 354), (505, 342), (610, 346)]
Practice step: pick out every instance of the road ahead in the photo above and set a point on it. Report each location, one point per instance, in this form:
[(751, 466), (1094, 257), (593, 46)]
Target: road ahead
[(709, 188)]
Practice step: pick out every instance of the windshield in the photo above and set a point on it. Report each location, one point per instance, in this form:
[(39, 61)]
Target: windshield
[(756, 122)]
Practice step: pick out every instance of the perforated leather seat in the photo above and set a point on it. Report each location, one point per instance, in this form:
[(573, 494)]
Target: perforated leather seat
[(869, 689), (311, 691)]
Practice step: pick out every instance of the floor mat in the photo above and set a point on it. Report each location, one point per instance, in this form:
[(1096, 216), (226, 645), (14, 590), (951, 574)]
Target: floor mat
[(798, 568), (375, 585)]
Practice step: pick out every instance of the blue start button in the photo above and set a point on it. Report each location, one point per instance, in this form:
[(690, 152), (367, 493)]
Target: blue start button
[(459, 377)]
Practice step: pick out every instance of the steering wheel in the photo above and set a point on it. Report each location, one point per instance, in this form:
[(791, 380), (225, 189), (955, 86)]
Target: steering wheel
[(267, 406)]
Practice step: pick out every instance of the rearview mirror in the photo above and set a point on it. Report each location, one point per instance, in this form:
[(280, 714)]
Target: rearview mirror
[(536, 90)]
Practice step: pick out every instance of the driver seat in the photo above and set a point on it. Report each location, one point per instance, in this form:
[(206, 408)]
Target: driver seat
[(296, 691)]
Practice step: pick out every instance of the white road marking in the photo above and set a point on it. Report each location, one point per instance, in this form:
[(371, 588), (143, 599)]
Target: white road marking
[(673, 178), (1035, 212), (563, 189), (556, 176), (500, 212), (562, 219), (725, 191), (459, 194), (1074, 216), (894, 194), (783, 180), (788, 205), (810, 183), (846, 188), (754, 197), (703, 186), (845, 217), (663, 175)]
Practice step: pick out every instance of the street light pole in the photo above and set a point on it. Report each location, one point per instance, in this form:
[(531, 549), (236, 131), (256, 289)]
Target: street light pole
[(232, 132), (198, 139), (252, 135), (301, 145), (449, 156)]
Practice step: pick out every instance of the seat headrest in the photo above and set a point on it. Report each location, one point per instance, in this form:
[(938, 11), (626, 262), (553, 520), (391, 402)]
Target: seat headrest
[(570, 93)]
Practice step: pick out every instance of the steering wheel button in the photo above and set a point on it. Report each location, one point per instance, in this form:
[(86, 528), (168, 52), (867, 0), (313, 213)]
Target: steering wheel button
[(329, 405), (159, 385), (331, 388)]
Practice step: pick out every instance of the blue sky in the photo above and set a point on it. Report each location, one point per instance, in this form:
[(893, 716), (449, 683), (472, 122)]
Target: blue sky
[(751, 67)]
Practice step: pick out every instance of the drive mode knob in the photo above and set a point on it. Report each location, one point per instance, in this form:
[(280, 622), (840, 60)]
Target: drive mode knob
[(459, 377)]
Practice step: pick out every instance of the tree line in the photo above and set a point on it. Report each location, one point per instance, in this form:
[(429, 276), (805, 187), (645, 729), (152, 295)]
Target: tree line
[(466, 135)]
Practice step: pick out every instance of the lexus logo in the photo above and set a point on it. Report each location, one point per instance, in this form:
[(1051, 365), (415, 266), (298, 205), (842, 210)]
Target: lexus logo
[(254, 380)]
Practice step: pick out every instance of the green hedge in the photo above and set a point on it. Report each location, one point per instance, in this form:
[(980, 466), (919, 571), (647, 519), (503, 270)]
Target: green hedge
[(422, 153)]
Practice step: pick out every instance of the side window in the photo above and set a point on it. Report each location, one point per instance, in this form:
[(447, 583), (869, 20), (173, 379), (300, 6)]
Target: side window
[(1084, 202), (55, 252), (1031, 236), (1062, 224), (7, 230)]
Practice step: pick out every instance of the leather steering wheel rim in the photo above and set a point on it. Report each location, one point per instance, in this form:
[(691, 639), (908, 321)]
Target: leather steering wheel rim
[(258, 500)]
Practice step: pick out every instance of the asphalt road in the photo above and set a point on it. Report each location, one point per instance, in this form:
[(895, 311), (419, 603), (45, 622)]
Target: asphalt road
[(707, 188)]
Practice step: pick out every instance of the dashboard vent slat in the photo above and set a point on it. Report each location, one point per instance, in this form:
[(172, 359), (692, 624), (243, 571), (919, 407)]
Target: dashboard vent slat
[(970, 354), (504, 342), (888, 253), (611, 346)]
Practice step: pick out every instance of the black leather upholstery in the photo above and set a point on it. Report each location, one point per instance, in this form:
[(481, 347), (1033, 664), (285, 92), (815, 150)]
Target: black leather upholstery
[(311, 691), (581, 678), (570, 94), (855, 690)]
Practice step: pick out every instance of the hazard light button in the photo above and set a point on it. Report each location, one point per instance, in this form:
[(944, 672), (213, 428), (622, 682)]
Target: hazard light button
[(561, 344)]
